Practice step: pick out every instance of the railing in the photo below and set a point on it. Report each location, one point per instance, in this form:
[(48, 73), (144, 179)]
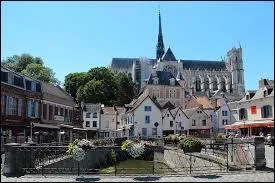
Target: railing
[(213, 158)]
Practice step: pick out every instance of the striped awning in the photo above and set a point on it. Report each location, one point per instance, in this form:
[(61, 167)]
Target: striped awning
[(248, 124)]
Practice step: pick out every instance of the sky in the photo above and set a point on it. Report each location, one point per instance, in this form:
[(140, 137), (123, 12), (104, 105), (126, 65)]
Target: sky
[(77, 36)]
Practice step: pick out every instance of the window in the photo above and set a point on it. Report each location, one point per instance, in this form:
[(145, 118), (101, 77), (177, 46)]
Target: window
[(36, 110), (106, 124), (147, 119), (11, 108), (154, 131), (194, 122), (20, 105), (50, 112), (266, 111), (253, 110), (243, 114), (38, 87), (147, 108), (87, 123), (94, 115), (3, 99), (56, 110), (94, 124), (203, 122), (167, 115), (61, 111), (33, 84), (224, 121), (66, 112), (247, 97), (199, 112), (144, 131), (44, 111), (170, 94), (4, 76), (171, 123), (179, 114), (70, 114), (88, 114), (18, 81), (224, 113), (28, 85), (174, 94)]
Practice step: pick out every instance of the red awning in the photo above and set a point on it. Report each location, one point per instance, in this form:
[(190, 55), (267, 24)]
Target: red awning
[(248, 124)]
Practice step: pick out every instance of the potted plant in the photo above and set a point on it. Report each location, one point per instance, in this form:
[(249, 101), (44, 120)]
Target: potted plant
[(190, 144)]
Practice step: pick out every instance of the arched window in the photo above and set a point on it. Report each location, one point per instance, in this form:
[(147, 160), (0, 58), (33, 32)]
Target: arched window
[(198, 84), (215, 84), (94, 115), (206, 83), (223, 84), (243, 114), (266, 111)]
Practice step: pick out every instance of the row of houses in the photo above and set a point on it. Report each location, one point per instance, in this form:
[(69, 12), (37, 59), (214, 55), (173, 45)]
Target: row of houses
[(29, 105)]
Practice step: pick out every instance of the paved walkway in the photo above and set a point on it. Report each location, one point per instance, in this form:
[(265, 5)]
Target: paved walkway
[(237, 177)]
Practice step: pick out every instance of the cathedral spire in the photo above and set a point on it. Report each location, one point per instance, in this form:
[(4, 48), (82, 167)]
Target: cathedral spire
[(160, 44)]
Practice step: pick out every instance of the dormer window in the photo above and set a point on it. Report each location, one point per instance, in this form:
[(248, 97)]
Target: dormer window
[(156, 81), (247, 97), (172, 82)]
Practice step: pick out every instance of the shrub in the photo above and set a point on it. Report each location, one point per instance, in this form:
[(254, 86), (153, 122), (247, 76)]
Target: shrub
[(190, 143)]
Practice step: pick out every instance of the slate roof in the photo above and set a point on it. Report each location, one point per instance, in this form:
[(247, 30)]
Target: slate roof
[(198, 64), (167, 105), (55, 91), (163, 77), (141, 99), (126, 63), (92, 107), (169, 56)]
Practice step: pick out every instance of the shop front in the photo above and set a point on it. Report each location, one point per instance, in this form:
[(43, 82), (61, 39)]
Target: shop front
[(253, 128)]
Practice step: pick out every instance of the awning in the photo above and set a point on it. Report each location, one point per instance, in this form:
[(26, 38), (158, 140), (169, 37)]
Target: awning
[(45, 126), (248, 124), (65, 126), (83, 129)]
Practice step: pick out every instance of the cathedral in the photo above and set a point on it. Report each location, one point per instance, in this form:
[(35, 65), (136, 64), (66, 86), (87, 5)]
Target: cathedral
[(199, 77)]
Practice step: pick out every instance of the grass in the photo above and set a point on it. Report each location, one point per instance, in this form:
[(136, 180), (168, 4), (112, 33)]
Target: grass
[(134, 166)]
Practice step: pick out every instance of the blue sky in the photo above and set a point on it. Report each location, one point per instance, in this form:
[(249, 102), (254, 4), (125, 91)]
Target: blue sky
[(76, 36)]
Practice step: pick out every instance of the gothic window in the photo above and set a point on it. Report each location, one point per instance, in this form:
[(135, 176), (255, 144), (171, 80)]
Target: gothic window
[(206, 84), (223, 85), (215, 84), (198, 84)]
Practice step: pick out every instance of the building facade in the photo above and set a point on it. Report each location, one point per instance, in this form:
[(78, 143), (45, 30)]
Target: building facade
[(254, 113), (206, 77), (91, 119)]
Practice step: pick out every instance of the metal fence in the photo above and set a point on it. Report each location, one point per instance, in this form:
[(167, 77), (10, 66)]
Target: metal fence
[(215, 157)]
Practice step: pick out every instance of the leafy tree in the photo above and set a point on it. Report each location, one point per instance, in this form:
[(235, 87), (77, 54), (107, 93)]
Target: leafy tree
[(125, 89), (80, 94), (74, 80), (40, 72), (31, 66)]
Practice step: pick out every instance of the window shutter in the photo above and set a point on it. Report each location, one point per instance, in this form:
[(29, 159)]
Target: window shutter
[(29, 108), (36, 109), (20, 107)]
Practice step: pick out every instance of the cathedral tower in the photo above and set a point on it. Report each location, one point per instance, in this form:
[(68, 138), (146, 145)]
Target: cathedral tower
[(235, 63)]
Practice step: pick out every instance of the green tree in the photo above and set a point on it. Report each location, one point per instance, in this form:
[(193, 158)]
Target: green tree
[(74, 80), (31, 66), (40, 72), (126, 87)]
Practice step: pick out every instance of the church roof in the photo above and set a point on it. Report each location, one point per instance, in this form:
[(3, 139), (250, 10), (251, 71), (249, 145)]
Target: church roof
[(179, 76), (126, 63), (164, 78), (169, 56), (198, 64)]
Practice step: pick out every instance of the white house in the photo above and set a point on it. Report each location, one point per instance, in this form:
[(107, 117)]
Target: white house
[(91, 119), (199, 122), (168, 122), (143, 116), (182, 122), (223, 115)]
